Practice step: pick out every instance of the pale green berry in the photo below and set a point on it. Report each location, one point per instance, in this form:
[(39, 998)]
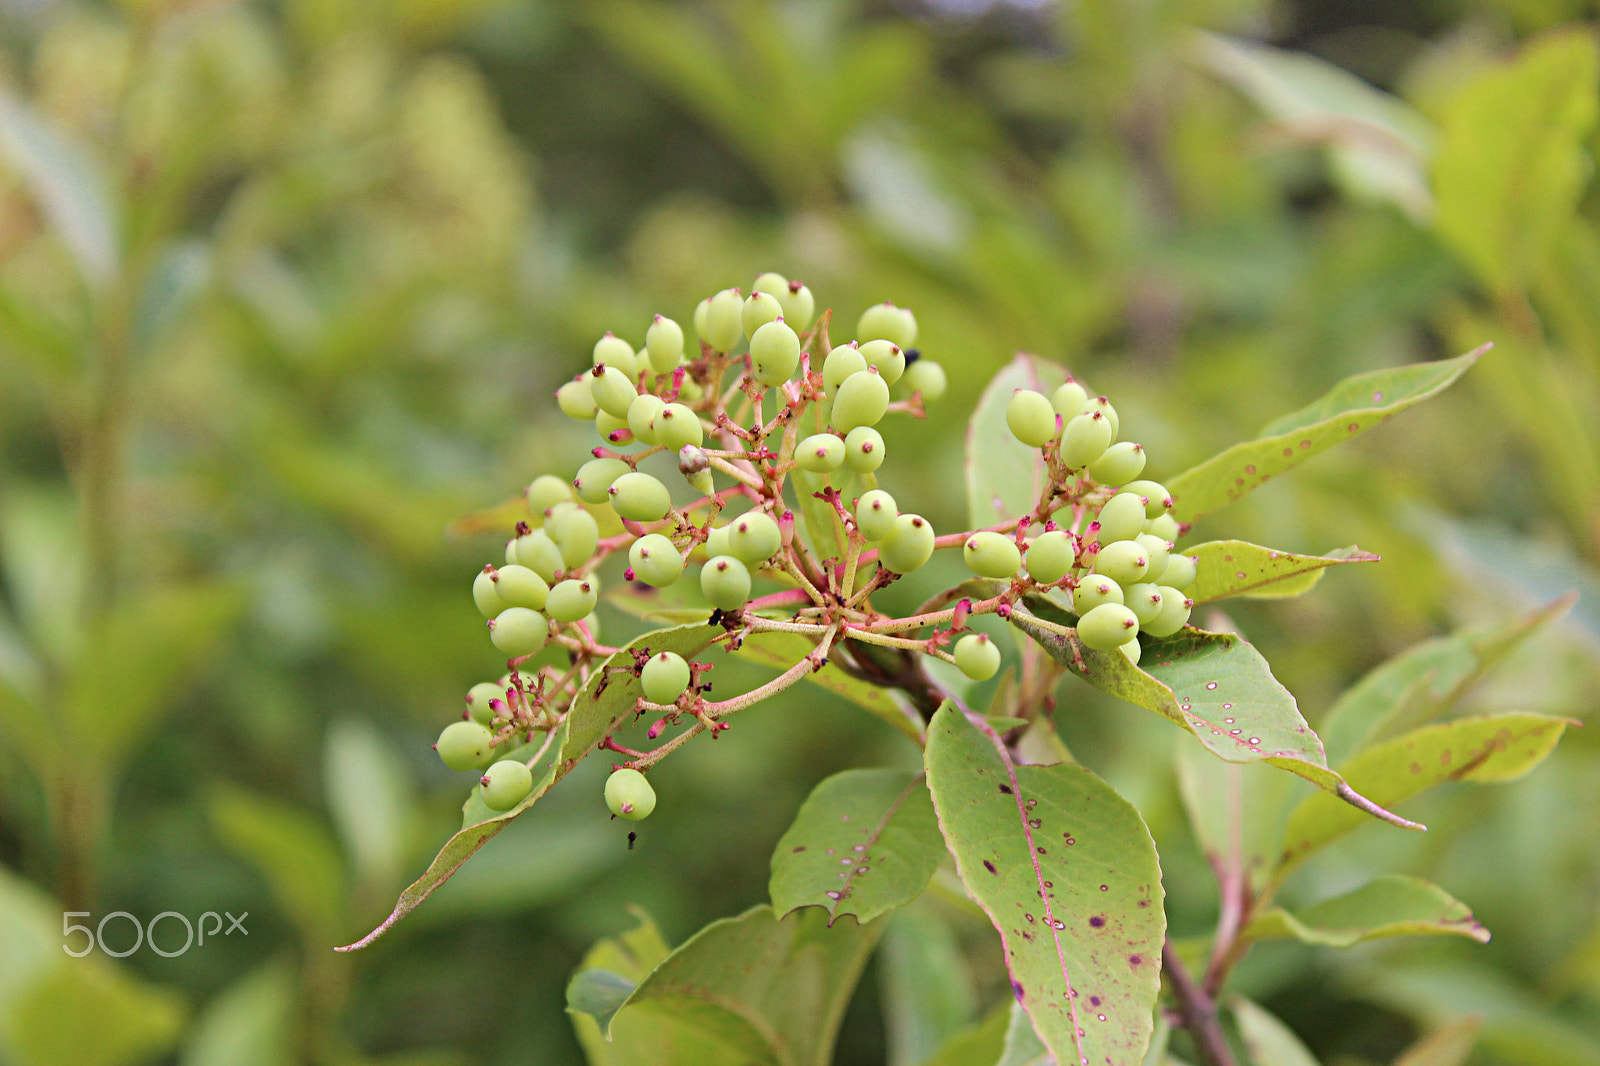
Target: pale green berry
[(774, 351), (1132, 649), (717, 541), (977, 656), (887, 356), (1175, 608), (611, 350), (725, 582), (891, 323), (1181, 571), (875, 514), (723, 321), (1158, 501), (1159, 551), (1069, 398), (629, 795), (664, 677), (540, 554), (505, 784), (1121, 517), (820, 453), (754, 537), (519, 631), (519, 586), (571, 599), (770, 282), (464, 745), (759, 309), (576, 533), (1030, 418), (1108, 626), (655, 560), (485, 595), (864, 450), (1103, 406), (1164, 526), (640, 497), (575, 399), (663, 344), (478, 697), (860, 401), (1084, 439), (613, 390), (642, 414), (908, 545), (1092, 591), (596, 476), (798, 305), (1123, 561), (678, 427), (702, 312), (927, 377), (841, 363), (1144, 599), (1120, 463), (546, 490), (990, 554), (612, 429), (1051, 556)]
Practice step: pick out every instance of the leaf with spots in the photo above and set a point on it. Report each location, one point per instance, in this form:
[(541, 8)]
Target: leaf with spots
[(1239, 568), (864, 843), (605, 702), (1352, 407), (1500, 747), (782, 650), (1391, 905), (1005, 476), (1066, 870)]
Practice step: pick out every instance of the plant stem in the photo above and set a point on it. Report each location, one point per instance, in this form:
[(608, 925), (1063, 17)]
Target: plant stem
[(1197, 1011)]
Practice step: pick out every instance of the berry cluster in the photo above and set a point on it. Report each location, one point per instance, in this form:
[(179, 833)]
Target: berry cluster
[(706, 456)]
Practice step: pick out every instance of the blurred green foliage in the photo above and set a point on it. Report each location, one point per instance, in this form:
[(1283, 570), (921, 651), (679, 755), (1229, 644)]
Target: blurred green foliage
[(285, 288)]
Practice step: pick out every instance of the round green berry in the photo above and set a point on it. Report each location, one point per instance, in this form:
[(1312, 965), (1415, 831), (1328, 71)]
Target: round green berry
[(1103, 406), (519, 631), (1051, 556), (663, 344), (478, 697), (717, 541), (575, 399), (1123, 561), (1132, 649), (1145, 600), (1158, 501), (678, 427), (1121, 517), (1164, 526), (1030, 418), (891, 323), (1119, 464), (1069, 398), (486, 595), (1092, 591), (629, 795), (774, 351), (596, 476), (861, 401), (538, 553), (820, 453), (754, 537), (1159, 551), (841, 363), (798, 304), (759, 309), (725, 582), (613, 390), (1181, 571), (887, 356), (576, 534), (612, 429), (977, 656), (571, 599), (546, 490), (655, 560), (770, 282), (464, 745), (1108, 626), (908, 544), (990, 554), (505, 784), (875, 514), (1175, 608), (724, 325), (520, 586), (664, 677), (642, 413), (702, 312), (612, 350), (927, 377), (1084, 439), (864, 450), (640, 497)]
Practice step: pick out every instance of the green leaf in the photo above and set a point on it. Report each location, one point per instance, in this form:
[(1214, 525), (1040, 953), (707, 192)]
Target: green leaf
[(249, 1023), (1391, 905), (1353, 406), (981, 1045), (1067, 872), (1495, 748), (864, 843), (924, 981), (1005, 476), (606, 701), (1425, 680), (1023, 1046), (1513, 160), (1237, 811), (1449, 1046), (294, 852), (370, 799), (1269, 1041), (821, 522), (1239, 568), (783, 650)]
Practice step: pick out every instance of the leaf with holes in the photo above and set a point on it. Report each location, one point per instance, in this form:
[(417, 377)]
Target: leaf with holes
[(1067, 872), (864, 843), (1005, 476), (1352, 407), (1239, 568), (1391, 905), (1499, 747)]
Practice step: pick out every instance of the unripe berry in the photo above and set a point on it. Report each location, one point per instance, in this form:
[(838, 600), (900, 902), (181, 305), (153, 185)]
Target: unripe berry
[(1051, 556), (596, 476), (1030, 418), (1069, 398), (770, 282), (1120, 463), (1144, 599), (798, 305), (1103, 406), (887, 357), (889, 322), (640, 497), (1159, 551), (1164, 526), (1084, 439), (1121, 518), (1175, 608), (1181, 571), (875, 514), (663, 344), (612, 429), (820, 453), (908, 544), (1092, 591), (864, 450), (717, 541), (723, 320), (629, 795), (464, 745), (540, 554), (725, 582), (754, 537), (612, 350), (575, 399), (519, 631), (842, 362), (702, 311), (576, 534), (519, 586), (546, 490), (990, 554), (759, 309), (774, 351), (664, 677), (927, 377), (1108, 626), (478, 697), (613, 390), (505, 784), (655, 560), (1123, 561), (642, 413), (1132, 649), (485, 595), (860, 401), (571, 599), (678, 427), (1158, 501), (977, 656)]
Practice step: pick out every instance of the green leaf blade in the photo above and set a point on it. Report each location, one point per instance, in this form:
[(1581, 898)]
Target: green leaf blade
[(1391, 905), (782, 650), (1004, 476), (1239, 568)]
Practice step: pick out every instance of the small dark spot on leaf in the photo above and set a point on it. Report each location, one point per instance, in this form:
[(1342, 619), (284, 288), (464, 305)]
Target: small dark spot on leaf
[(1134, 960), (1097, 921), (1006, 789), (1095, 1000), (987, 865), (1016, 990), (799, 849)]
